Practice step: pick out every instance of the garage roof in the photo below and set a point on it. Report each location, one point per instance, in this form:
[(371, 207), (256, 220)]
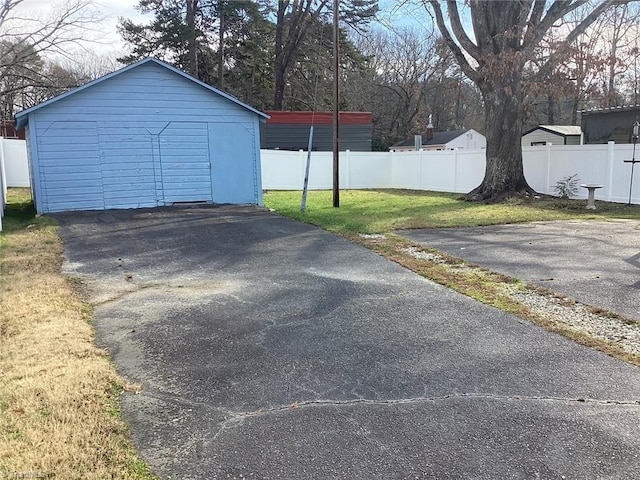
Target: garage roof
[(563, 130), (439, 138), (22, 118)]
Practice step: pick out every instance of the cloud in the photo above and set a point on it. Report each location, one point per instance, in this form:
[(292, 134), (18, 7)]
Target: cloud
[(103, 37)]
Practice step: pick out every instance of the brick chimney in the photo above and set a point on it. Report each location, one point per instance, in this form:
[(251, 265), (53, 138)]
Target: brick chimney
[(429, 129)]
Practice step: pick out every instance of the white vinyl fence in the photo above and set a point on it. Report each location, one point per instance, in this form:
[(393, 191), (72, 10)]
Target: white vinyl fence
[(13, 156), (14, 168), (457, 171), (596, 164)]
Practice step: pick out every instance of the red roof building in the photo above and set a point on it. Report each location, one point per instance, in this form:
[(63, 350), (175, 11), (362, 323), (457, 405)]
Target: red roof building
[(8, 130), (290, 131)]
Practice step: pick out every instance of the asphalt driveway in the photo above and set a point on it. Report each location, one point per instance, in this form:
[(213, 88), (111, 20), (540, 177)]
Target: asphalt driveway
[(595, 262), (269, 349)]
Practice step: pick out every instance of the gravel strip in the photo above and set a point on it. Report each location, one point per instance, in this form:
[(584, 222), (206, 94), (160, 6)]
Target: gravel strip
[(578, 317), (417, 253), (562, 310), (372, 236)]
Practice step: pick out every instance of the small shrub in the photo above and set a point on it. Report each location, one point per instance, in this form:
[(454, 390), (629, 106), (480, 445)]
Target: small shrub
[(567, 187)]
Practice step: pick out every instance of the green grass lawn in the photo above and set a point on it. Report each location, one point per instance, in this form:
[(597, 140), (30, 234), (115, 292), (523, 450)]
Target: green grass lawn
[(377, 211)]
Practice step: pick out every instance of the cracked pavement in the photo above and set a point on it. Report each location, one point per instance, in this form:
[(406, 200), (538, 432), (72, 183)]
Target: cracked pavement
[(269, 349)]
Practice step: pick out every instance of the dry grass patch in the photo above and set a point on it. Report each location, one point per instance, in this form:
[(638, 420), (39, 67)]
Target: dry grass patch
[(58, 391)]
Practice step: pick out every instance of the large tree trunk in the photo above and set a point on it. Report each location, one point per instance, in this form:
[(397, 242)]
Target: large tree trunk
[(279, 61), (289, 38), (505, 37), (221, 34), (504, 174), (574, 111), (192, 6), (280, 84), (551, 113)]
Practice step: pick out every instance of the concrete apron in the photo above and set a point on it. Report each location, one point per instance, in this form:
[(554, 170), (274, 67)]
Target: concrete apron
[(271, 349), (595, 262)]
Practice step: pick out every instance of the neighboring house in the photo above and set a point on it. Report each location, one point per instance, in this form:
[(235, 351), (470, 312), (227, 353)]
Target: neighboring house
[(553, 134), (609, 124), (462, 139), (290, 131), (146, 135), (8, 130)]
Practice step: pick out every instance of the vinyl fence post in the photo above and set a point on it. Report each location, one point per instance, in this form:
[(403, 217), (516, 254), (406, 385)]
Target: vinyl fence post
[(347, 169), (301, 164), (421, 185), (547, 186), (610, 169), (455, 170)]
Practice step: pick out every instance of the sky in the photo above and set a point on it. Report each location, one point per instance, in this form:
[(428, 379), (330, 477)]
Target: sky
[(105, 38), (110, 43), (112, 10)]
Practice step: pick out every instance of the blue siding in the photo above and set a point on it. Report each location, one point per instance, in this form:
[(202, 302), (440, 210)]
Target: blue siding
[(185, 163), (146, 137), (228, 173), (57, 158)]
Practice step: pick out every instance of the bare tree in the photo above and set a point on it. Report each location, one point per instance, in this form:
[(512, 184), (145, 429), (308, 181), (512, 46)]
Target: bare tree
[(505, 36), (91, 65), (633, 80), (411, 62), (25, 41), (617, 29), (553, 88), (293, 19), (394, 84), (409, 74)]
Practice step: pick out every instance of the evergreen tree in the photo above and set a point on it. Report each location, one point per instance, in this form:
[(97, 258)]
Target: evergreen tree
[(294, 18)]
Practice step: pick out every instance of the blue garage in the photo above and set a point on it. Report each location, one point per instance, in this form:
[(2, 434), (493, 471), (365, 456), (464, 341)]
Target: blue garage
[(144, 136)]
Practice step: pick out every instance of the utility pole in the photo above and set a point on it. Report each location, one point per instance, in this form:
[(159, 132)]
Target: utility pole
[(336, 106)]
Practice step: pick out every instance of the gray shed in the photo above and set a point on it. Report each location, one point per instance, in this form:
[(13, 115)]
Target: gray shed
[(613, 124), (554, 134)]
